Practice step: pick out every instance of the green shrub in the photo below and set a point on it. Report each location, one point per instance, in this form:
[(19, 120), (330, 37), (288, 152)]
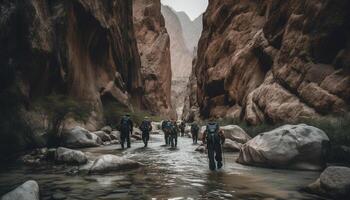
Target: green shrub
[(57, 109)]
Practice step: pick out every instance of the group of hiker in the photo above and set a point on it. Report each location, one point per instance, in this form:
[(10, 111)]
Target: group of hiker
[(213, 137)]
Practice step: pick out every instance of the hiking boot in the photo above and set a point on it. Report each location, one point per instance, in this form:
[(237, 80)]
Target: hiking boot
[(219, 165)]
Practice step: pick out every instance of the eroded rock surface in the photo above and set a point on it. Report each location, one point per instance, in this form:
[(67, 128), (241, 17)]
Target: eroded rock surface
[(107, 163), (290, 146), (82, 48), (154, 46), (333, 182), (275, 61), (27, 191)]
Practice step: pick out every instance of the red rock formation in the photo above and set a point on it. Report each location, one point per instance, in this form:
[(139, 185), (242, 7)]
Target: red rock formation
[(82, 48), (274, 60), (154, 47)]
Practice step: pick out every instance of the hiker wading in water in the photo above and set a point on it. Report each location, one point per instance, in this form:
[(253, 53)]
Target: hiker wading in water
[(214, 138), (146, 128), (126, 127)]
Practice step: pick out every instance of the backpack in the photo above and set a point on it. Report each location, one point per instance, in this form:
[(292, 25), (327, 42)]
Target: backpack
[(168, 126), (124, 124), (212, 133), (145, 126), (194, 128)]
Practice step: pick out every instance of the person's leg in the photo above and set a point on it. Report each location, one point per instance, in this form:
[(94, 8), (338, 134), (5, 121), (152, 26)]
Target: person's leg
[(128, 140), (144, 138), (212, 165), (193, 137), (147, 138), (218, 155), (196, 138), (122, 139), (175, 140)]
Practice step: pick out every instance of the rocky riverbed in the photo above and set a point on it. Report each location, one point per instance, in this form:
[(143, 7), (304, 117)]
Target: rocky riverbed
[(178, 173)]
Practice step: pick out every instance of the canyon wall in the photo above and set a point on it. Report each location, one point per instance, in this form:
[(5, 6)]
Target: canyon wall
[(191, 30), (181, 58), (274, 61), (82, 48), (154, 47)]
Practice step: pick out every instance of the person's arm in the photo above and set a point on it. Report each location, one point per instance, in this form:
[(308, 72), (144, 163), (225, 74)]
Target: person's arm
[(222, 136), (132, 125)]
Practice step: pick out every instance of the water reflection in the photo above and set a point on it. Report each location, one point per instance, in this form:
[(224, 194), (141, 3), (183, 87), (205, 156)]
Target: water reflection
[(169, 174)]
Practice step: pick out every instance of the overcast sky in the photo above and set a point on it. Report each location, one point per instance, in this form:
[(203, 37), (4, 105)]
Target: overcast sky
[(193, 8)]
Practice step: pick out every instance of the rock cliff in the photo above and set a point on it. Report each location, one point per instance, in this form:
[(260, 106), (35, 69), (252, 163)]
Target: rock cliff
[(274, 60), (181, 58), (154, 47), (82, 48)]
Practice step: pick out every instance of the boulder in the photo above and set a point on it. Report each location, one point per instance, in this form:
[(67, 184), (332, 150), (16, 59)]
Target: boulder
[(79, 137), (103, 135), (136, 131), (115, 135), (70, 156), (232, 146), (235, 133), (27, 191), (333, 182), (156, 125), (107, 129), (290, 146), (136, 137), (200, 148), (107, 163)]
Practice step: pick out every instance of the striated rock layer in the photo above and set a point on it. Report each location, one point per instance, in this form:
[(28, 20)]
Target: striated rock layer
[(274, 60), (82, 48), (154, 47)]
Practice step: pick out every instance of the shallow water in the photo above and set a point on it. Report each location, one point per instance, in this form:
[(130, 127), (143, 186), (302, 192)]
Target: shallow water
[(175, 174)]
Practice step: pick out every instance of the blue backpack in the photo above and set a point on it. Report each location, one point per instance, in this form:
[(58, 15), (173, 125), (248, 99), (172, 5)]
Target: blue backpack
[(125, 125), (212, 133)]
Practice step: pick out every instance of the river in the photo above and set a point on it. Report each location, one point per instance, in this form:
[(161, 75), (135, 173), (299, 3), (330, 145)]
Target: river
[(168, 173)]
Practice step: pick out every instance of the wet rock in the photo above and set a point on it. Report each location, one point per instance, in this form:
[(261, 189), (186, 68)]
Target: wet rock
[(27, 191), (103, 135), (107, 129), (115, 135), (69, 156), (35, 157), (290, 146), (232, 146), (201, 148), (333, 182), (58, 196), (79, 137), (107, 163), (235, 133)]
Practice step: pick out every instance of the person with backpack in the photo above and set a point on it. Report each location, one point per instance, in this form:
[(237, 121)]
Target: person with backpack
[(194, 132), (214, 138), (173, 134), (182, 128), (126, 128), (166, 128), (146, 128)]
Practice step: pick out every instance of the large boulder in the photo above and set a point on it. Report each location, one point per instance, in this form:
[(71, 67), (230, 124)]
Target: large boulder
[(107, 163), (79, 137), (201, 149), (235, 133), (232, 146), (70, 156), (333, 182), (115, 135), (27, 191), (107, 129), (103, 135), (290, 146)]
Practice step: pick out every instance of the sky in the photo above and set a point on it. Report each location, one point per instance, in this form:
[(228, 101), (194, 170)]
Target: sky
[(193, 8)]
